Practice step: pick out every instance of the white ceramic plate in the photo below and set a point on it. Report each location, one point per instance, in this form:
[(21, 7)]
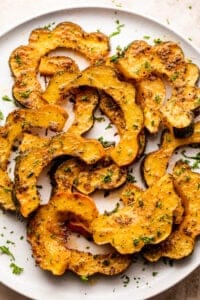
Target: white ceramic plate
[(33, 282)]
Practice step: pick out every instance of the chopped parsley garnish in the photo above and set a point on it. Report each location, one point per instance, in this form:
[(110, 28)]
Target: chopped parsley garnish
[(5, 250), (157, 41), (146, 37), (99, 119), (154, 274), (196, 158), (16, 269), (136, 242), (25, 94), (118, 29), (108, 178), (1, 115), (108, 126), (147, 239), (108, 213), (174, 76), (18, 59), (84, 278), (6, 98), (131, 178), (105, 144), (49, 26), (157, 98), (84, 98), (119, 53)]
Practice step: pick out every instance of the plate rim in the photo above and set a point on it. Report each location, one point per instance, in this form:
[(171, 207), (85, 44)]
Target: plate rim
[(70, 7)]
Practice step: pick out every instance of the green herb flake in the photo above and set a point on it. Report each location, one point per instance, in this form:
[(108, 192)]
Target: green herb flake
[(84, 278), (108, 213), (5, 250), (131, 178), (154, 274), (157, 98), (146, 37), (1, 115), (16, 269), (18, 59), (108, 178), (174, 76), (104, 143), (190, 6), (25, 94), (136, 242), (84, 98), (108, 126), (49, 26), (157, 41), (118, 29), (99, 119), (67, 170), (147, 239), (6, 98)]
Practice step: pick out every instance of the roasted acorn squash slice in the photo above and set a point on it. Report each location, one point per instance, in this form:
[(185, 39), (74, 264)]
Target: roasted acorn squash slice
[(24, 60), (49, 241), (178, 112), (155, 163), (141, 60), (182, 240), (149, 222), (30, 164), (17, 122), (151, 96), (123, 93)]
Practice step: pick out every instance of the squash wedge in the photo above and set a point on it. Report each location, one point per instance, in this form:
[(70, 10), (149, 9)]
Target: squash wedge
[(24, 60), (104, 78), (30, 165), (192, 74), (129, 229), (155, 163), (112, 110), (141, 60), (50, 116), (17, 122), (182, 240), (50, 65), (86, 100), (132, 196), (106, 178), (151, 96), (179, 110), (49, 239)]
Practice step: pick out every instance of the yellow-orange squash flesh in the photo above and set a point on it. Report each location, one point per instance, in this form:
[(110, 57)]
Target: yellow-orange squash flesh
[(182, 240), (149, 222), (106, 178), (123, 93), (17, 122), (50, 245), (24, 60), (132, 195), (178, 110), (50, 65), (141, 60), (151, 96), (155, 163), (86, 101), (30, 165)]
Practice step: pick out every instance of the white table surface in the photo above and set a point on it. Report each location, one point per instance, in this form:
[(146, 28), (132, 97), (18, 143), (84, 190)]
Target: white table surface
[(181, 15)]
